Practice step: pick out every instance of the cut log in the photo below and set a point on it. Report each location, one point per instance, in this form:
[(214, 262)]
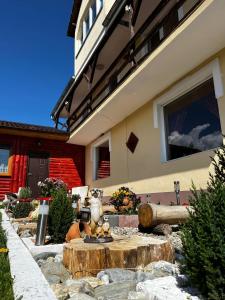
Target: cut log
[(150, 215), (84, 259)]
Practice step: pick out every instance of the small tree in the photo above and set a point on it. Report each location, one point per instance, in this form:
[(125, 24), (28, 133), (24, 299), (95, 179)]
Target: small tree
[(60, 216), (22, 209), (204, 234)]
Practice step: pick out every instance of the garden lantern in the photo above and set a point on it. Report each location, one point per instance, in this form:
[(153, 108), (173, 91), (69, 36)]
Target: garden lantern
[(42, 222), (177, 191)]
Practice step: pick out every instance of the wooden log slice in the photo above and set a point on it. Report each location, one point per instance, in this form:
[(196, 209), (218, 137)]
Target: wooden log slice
[(88, 259)]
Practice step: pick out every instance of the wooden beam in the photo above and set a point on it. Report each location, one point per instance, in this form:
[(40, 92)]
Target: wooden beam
[(93, 67)]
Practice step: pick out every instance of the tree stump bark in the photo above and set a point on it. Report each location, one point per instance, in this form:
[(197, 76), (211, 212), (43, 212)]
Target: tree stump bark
[(150, 215), (88, 259)]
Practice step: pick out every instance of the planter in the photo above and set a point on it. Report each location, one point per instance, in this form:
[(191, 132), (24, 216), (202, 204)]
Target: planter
[(123, 220)]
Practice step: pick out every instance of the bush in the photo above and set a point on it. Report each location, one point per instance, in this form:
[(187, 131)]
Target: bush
[(60, 216), (6, 291), (25, 193), (22, 209), (204, 235)]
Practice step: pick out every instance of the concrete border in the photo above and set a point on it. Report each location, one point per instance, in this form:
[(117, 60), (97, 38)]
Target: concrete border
[(28, 280)]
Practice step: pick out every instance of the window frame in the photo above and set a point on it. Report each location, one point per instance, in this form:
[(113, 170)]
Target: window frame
[(94, 146), (9, 173), (211, 70)]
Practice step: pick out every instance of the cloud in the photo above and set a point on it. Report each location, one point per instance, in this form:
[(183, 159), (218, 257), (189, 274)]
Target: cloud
[(193, 140)]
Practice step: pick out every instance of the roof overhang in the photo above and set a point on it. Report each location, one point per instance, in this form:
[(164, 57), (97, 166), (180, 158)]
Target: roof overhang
[(185, 49), (73, 18)]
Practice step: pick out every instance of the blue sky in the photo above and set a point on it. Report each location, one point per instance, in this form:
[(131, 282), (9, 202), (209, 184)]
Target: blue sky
[(36, 58)]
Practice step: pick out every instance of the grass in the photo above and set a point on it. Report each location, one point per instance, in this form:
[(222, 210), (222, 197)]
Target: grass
[(6, 291)]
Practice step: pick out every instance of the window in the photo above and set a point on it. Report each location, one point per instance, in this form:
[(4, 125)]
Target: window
[(192, 122), (101, 158), (90, 18), (5, 161)]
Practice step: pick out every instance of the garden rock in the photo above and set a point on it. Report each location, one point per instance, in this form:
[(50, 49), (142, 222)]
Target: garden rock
[(60, 291), (163, 288), (78, 286), (81, 296), (44, 255), (162, 229), (143, 276), (175, 240), (117, 275), (93, 281), (161, 268), (116, 290), (25, 234), (54, 268), (58, 258), (136, 296)]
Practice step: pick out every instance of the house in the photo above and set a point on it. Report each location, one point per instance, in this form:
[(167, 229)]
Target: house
[(147, 97), (31, 153)]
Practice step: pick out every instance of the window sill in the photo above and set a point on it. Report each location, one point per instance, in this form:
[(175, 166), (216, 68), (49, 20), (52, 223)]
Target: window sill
[(5, 174), (188, 156)]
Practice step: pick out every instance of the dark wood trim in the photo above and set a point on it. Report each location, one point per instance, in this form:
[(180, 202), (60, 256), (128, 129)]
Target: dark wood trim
[(136, 12)]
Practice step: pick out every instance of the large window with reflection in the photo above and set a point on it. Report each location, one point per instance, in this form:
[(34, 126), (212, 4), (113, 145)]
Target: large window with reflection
[(192, 122)]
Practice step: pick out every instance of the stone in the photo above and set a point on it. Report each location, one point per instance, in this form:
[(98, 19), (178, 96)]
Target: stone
[(143, 276), (161, 268), (44, 255), (175, 240), (55, 268), (78, 286), (81, 296), (136, 296), (163, 288), (117, 275), (52, 279), (60, 291), (115, 290), (25, 233), (162, 229), (93, 281), (58, 258)]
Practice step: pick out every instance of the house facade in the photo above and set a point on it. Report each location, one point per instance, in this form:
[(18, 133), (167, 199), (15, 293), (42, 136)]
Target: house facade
[(30, 153), (147, 97)]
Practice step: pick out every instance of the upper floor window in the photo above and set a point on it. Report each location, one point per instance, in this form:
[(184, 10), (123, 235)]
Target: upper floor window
[(89, 18), (5, 161), (192, 122)]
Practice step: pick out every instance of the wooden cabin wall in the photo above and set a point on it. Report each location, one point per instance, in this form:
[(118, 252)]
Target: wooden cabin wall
[(66, 161)]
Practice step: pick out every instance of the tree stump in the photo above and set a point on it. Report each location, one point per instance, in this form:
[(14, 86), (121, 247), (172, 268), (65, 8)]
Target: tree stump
[(88, 259)]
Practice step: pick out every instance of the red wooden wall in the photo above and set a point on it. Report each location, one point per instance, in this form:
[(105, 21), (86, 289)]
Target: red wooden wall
[(66, 162)]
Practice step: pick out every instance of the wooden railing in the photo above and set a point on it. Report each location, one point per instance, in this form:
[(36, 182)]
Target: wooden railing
[(152, 33)]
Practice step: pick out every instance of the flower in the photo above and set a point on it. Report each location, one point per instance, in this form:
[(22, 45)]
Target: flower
[(51, 184)]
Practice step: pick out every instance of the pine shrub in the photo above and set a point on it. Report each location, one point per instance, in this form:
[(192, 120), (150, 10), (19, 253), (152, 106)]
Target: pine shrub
[(22, 209), (204, 234), (60, 216)]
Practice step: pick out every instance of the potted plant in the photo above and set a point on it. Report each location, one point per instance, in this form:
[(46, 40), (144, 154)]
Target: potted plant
[(49, 186), (125, 201)]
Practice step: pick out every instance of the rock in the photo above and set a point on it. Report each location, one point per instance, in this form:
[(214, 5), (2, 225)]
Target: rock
[(161, 268), (93, 281), (53, 279), (15, 226), (81, 296), (136, 296), (44, 255), (58, 258), (55, 268), (115, 291), (25, 234), (143, 276), (162, 229), (163, 288), (175, 240), (78, 286), (117, 275), (60, 291), (182, 280)]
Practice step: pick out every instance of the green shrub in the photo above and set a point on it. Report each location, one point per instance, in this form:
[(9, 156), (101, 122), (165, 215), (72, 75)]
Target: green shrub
[(22, 209), (25, 193), (60, 216), (6, 291), (204, 235)]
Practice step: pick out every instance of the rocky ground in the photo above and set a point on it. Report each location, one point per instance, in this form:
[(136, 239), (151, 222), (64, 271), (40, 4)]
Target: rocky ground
[(156, 281)]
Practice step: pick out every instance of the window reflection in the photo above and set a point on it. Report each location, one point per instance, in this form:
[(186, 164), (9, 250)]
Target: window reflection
[(4, 158), (192, 122)]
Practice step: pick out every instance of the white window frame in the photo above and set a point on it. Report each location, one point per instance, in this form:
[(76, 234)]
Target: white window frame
[(212, 70), (106, 137)]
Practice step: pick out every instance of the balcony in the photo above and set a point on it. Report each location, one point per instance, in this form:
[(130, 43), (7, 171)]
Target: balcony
[(147, 62)]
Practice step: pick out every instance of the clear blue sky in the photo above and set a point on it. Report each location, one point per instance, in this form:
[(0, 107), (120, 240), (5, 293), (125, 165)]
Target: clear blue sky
[(36, 58)]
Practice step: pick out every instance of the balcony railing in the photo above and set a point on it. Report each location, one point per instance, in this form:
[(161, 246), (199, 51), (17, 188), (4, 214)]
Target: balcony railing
[(152, 33)]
